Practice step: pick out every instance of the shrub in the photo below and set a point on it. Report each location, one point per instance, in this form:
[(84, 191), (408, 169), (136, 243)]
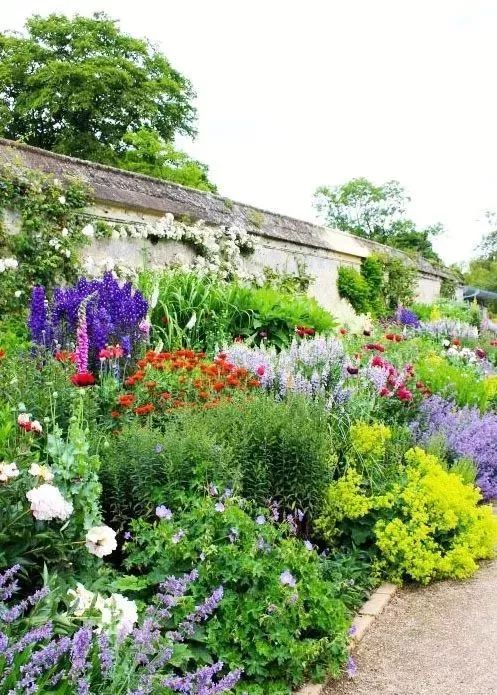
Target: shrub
[(143, 466), (281, 449), (354, 287), (429, 525), (373, 272), (279, 617)]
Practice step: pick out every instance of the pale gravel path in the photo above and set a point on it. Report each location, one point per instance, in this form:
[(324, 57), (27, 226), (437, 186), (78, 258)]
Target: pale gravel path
[(440, 640)]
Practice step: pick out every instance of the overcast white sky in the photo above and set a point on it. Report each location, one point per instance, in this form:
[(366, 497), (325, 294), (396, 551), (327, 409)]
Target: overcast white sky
[(294, 94)]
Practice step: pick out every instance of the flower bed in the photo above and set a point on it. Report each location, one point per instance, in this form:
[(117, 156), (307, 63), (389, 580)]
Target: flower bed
[(206, 518)]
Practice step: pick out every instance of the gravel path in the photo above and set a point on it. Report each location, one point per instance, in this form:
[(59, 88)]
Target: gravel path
[(440, 640)]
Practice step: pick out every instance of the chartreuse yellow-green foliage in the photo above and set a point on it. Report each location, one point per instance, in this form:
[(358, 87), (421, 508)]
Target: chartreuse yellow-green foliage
[(428, 525)]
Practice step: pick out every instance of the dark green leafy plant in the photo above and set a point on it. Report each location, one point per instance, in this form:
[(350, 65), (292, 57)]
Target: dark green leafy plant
[(279, 618), (354, 287)]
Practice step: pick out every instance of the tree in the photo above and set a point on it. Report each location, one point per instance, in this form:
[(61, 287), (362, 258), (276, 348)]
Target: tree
[(377, 213), (149, 154), (82, 87)]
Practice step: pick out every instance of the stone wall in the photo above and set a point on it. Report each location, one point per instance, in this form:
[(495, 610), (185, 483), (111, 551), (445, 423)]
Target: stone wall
[(282, 242)]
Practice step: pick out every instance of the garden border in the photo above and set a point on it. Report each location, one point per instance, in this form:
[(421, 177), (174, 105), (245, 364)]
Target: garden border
[(366, 615)]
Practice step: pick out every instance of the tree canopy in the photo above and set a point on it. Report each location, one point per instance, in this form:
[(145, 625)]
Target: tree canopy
[(377, 213), (82, 87)]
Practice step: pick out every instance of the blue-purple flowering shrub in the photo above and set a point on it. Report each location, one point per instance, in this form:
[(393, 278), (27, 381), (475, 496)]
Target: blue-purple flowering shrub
[(115, 315), (279, 618), (102, 645), (467, 433)]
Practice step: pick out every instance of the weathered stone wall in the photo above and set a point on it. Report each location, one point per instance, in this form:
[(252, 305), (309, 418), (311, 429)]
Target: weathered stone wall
[(282, 241)]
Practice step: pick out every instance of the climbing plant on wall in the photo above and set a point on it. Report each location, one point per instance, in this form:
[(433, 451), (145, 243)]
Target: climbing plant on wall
[(41, 232)]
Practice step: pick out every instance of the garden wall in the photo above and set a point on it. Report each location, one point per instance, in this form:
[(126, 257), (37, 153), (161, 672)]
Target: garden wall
[(282, 242)]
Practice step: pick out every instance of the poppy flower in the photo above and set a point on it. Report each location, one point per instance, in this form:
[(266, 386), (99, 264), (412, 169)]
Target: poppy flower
[(83, 379), (343, 331), (2, 354), (456, 342), (261, 370), (480, 353), (353, 370), (390, 336), (375, 346)]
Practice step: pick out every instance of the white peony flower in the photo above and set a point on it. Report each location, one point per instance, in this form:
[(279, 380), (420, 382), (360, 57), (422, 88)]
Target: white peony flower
[(62, 199), (101, 540), (47, 503), (23, 419), (65, 232), (82, 599), (17, 293), (7, 471), (36, 426), (121, 612), (42, 472)]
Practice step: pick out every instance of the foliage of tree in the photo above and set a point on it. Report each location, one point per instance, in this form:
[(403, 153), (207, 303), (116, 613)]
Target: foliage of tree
[(377, 213), (80, 86), (150, 154), (482, 270)]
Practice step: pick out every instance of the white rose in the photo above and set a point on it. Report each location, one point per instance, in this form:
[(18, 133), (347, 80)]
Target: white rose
[(7, 471), (65, 232), (88, 230), (47, 503), (17, 293), (43, 472), (82, 599), (101, 540), (67, 253), (62, 199)]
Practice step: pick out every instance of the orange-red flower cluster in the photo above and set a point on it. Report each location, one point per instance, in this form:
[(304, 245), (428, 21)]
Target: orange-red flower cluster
[(184, 378), (394, 337), (111, 352), (302, 331), (65, 356), (83, 379)]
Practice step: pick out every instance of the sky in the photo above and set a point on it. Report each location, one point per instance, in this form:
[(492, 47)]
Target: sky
[(292, 95)]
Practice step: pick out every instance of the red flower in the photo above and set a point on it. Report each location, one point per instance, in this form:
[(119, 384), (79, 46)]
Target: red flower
[(343, 331), (115, 414), (353, 370), (403, 394), (126, 399), (390, 336), (261, 370), (480, 353), (218, 386), (203, 395), (150, 384), (377, 361), (144, 409), (2, 354), (384, 392), (254, 382), (83, 379), (165, 396), (375, 346), (456, 342)]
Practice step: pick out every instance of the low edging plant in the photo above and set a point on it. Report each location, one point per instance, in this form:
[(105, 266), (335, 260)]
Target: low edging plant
[(280, 618), (427, 524), (101, 645)]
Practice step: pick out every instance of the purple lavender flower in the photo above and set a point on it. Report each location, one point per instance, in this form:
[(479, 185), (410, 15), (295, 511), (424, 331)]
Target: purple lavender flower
[(467, 434), (81, 643), (105, 654), (9, 615)]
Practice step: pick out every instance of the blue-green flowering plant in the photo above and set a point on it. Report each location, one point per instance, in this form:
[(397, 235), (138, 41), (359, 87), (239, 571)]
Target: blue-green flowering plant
[(279, 618)]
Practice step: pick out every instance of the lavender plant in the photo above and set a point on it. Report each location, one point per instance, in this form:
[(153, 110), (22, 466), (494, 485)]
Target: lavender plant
[(467, 432), (118, 655)]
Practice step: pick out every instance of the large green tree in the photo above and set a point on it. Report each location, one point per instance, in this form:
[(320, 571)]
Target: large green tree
[(377, 213), (482, 271), (82, 87)]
